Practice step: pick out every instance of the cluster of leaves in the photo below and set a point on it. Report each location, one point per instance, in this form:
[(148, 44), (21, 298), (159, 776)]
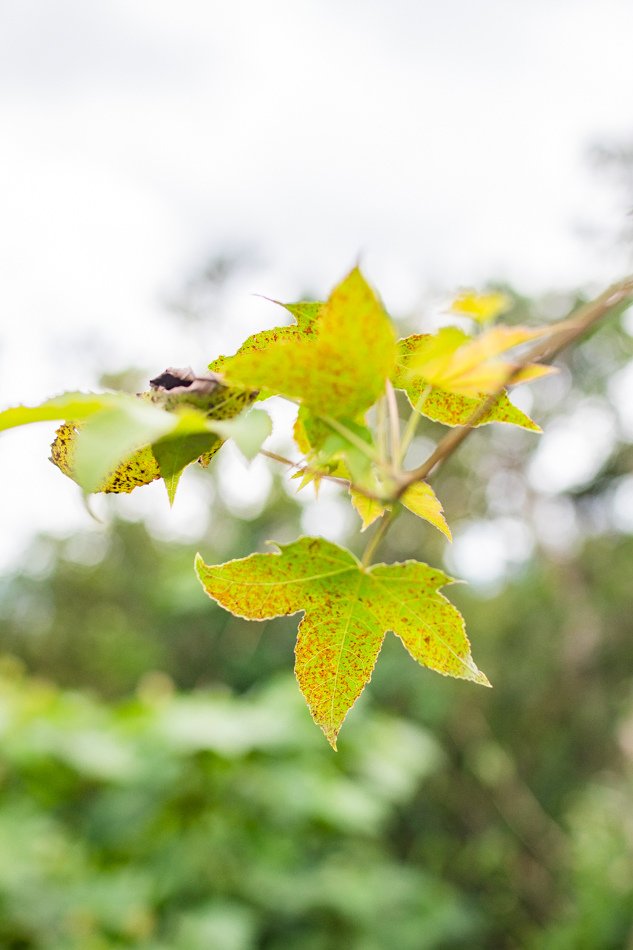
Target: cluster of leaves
[(339, 360)]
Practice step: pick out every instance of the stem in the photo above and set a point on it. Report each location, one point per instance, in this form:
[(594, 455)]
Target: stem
[(394, 422), (386, 521), (303, 467), (412, 423), (342, 429), (569, 330), (381, 432)]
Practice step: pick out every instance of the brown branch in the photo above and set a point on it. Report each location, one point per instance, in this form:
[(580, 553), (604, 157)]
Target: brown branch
[(568, 331)]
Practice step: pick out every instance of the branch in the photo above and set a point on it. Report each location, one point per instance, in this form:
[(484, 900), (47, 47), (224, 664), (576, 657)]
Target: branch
[(568, 331)]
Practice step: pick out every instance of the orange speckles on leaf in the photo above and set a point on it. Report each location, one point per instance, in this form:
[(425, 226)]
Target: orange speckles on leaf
[(347, 612), (335, 360)]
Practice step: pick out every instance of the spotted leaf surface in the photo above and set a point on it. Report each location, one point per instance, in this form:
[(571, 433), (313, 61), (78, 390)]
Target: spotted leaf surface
[(336, 363), (347, 611), (451, 409)]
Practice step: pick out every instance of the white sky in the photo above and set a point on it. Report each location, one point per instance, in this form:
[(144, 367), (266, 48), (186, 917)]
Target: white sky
[(446, 143)]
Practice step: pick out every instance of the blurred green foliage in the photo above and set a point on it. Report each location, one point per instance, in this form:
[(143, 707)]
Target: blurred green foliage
[(204, 821)]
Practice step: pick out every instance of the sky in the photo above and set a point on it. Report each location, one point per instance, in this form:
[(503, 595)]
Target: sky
[(443, 145)]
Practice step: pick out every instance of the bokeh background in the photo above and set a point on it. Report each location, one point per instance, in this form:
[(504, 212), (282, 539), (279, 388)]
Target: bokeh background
[(161, 783)]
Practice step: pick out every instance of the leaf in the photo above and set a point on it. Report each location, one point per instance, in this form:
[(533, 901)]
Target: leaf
[(419, 499), (336, 364), (422, 501), (173, 456), (348, 610), (140, 469), (451, 409), (339, 447), (249, 431), (457, 363), (369, 509), (482, 308), (305, 312), (105, 443), (72, 405)]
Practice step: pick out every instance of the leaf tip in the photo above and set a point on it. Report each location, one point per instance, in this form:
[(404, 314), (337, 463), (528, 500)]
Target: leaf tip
[(478, 676)]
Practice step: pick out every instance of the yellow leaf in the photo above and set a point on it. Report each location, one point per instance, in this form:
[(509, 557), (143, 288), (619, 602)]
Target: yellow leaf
[(482, 308), (420, 499), (452, 361)]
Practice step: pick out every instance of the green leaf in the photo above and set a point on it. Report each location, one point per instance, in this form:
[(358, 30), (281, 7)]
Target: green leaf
[(451, 409), (348, 610), (76, 406), (337, 364), (249, 431), (173, 456), (305, 312)]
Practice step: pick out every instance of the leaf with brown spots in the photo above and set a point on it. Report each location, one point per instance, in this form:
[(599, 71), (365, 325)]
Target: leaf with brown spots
[(114, 442), (335, 361), (451, 409), (347, 609)]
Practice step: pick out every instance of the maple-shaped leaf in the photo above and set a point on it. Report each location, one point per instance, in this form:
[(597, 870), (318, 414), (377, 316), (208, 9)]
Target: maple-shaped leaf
[(450, 408), (347, 609), (336, 362)]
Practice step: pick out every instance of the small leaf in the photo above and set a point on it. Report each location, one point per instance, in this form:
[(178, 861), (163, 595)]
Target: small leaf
[(419, 499), (482, 308), (422, 501), (347, 612), (369, 509), (337, 364)]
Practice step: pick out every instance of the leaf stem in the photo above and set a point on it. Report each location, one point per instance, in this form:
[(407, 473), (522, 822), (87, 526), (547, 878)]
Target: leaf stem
[(355, 440), (412, 423), (385, 523), (394, 423), (568, 331), (381, 432)]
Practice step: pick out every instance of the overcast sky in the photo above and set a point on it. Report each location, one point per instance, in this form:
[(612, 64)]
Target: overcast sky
[(445, 143)]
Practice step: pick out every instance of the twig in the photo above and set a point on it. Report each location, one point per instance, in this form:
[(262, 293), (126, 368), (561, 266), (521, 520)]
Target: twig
[(309, 469), (569, 330), (387, 520), (394, 423), (412, 423)]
